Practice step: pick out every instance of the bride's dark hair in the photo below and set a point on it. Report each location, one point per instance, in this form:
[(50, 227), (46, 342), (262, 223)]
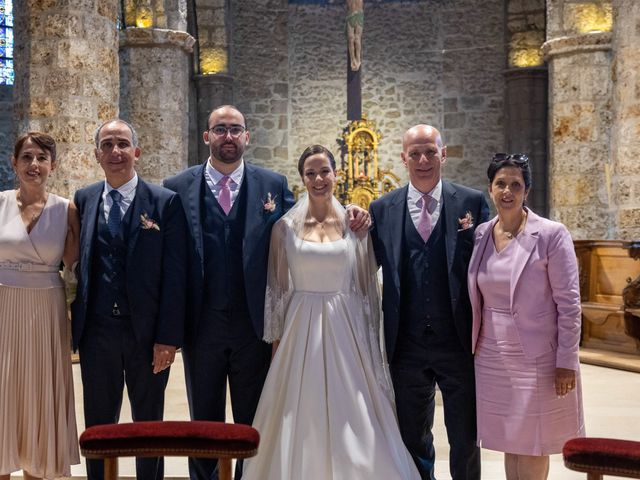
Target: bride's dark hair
[(313, 150)]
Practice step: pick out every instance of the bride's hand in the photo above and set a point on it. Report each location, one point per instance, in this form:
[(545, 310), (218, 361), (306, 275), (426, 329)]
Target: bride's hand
[(274, 348)]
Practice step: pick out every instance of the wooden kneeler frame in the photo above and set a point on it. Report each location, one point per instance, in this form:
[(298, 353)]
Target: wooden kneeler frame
[(197, 439)]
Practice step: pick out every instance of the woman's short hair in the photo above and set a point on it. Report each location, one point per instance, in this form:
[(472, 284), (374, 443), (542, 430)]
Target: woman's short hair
[(44, 141), (518, 160), (313, 150)]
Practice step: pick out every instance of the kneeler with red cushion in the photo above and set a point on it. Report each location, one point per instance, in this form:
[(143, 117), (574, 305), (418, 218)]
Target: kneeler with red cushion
[(603, 456), (198, 439)]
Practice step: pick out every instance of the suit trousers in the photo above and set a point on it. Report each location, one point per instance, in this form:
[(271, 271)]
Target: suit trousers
[(224, 348), (419, 363), (110, 357)]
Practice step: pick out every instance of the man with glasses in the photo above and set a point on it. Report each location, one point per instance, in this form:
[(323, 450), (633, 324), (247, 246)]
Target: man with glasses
[(423, 238), (231, 206)]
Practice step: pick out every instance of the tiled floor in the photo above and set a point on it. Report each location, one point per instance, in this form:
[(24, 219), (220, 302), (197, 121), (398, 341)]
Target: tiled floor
[(611, 404)]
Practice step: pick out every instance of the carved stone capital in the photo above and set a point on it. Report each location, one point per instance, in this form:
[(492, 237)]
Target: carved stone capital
[(156, 37), (583, 43)]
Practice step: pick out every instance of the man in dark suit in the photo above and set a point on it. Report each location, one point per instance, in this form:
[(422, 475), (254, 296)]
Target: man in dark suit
[(231, 206), (423, 239), (128, 315)]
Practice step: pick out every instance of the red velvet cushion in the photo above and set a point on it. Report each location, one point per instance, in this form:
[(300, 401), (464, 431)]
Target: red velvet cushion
[(603, 454), (198, 435)]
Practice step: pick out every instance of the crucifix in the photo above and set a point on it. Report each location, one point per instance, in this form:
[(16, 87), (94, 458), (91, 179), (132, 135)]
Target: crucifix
[(354, 24)]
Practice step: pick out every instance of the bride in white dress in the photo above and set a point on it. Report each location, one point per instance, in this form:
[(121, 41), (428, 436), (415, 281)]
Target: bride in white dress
[(326, 410)]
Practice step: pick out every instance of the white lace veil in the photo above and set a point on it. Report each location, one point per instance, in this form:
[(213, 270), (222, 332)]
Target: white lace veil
[(364, 283)]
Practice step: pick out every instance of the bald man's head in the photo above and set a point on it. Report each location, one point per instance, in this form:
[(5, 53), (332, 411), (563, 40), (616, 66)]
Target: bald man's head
[(423, 153), (422, 130)]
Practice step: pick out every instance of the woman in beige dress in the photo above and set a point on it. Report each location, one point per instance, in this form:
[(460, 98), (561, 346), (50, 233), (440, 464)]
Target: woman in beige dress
[(37, 230)]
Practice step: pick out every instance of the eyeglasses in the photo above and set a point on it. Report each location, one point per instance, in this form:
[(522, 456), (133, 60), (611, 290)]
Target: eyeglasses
[(221, 130), (517, 158)]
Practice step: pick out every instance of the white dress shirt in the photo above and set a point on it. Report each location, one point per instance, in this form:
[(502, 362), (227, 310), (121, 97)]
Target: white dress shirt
[(128, 192), (213, 176), (414, 203)]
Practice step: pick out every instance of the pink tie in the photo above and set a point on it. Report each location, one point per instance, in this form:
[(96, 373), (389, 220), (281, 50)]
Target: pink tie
[(224, 198), (424, 224)]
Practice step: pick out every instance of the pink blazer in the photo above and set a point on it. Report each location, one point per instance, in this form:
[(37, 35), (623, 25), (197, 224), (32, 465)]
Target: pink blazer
[(545, 289)]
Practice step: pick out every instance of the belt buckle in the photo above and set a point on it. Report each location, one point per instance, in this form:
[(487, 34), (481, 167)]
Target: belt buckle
[(24, 267)]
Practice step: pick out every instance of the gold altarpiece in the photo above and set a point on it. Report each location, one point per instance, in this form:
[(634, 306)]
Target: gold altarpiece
[(360, 180)]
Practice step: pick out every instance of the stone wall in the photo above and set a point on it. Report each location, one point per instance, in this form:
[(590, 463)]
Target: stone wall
[(259, 67), (6, 136), (421, 64), (474, 58), (213, 42), (526, 24)]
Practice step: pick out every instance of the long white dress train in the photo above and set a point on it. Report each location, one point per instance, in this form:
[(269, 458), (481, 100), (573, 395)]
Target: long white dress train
[(326, 410)]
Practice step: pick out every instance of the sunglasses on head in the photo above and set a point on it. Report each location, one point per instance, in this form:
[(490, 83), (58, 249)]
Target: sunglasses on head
[(517, 158)]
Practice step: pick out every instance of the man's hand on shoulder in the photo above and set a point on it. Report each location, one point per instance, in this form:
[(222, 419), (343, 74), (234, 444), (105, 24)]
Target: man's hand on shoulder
[(359, 219)]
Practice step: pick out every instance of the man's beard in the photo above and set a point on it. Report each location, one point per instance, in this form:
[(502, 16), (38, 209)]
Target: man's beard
[(228, 155)]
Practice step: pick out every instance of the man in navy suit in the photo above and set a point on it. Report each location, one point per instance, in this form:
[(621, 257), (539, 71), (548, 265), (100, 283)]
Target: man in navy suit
[(128, 315), (423, 238), (231, 206)]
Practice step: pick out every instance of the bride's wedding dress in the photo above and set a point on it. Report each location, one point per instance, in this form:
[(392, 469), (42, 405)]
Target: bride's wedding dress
[(326, 410)]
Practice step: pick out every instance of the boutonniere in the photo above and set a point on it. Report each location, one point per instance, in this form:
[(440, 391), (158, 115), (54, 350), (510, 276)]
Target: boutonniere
[(465, 222), (270, 204), (147, 223)]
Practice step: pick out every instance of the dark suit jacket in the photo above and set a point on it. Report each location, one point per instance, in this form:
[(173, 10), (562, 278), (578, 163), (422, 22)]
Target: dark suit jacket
[(388, 215), (156, 269), (257, 234)]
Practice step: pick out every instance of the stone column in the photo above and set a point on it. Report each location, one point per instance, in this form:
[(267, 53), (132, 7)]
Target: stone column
[(625, 139), (526, 127), (213, 84), (66, 61), (155, 72), (526, 94), (580, 126)]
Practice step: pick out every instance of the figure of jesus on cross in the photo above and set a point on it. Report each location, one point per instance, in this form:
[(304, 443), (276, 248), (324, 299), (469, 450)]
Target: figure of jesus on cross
[(354, 25)]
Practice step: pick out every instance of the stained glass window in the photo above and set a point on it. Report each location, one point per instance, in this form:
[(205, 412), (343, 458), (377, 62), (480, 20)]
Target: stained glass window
[(6, 42)]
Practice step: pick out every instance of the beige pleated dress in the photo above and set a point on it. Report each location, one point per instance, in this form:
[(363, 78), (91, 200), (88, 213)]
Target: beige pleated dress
[(37, 419)]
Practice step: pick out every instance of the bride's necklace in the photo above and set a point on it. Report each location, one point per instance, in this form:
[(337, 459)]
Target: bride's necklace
[(320, 223)]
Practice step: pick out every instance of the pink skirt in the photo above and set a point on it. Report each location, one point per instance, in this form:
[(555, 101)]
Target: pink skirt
[(37, 416), (517, 406)]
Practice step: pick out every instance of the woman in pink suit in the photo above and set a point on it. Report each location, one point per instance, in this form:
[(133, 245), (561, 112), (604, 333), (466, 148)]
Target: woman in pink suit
[(525, 295)]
